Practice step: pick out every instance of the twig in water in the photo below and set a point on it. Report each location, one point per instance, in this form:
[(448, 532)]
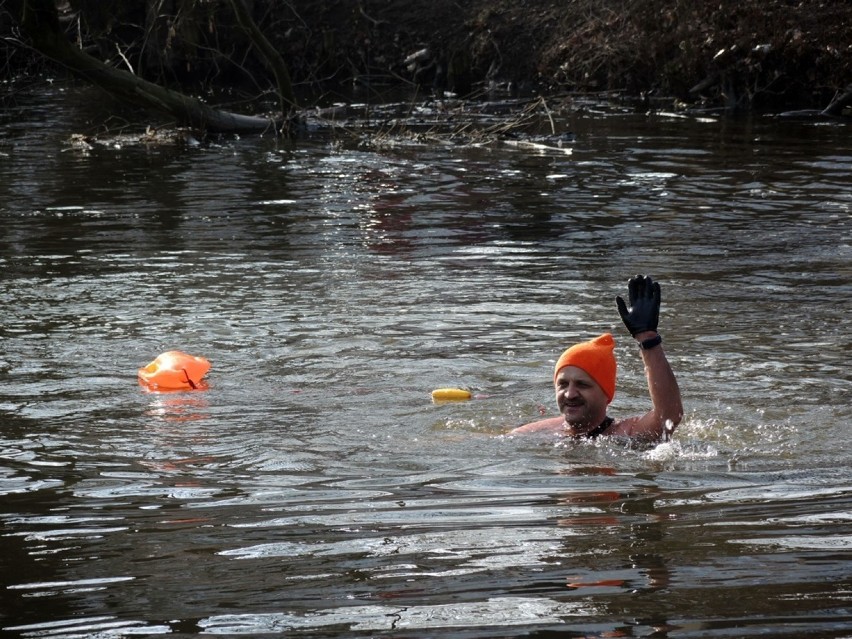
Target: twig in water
[(549, 116)]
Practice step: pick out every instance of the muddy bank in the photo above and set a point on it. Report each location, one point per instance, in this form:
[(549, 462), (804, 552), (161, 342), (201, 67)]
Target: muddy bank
[(750, 54), (745, 54)]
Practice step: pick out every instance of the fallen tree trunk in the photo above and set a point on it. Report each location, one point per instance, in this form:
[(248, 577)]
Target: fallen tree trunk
[(40, 22)]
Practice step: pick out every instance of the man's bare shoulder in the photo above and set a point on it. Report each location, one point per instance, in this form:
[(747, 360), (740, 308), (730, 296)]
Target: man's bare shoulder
[(633, 428), (549, 425)]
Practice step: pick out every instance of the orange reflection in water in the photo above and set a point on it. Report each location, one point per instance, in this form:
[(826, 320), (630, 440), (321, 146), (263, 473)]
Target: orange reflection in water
[(173, 412), (178, 407)]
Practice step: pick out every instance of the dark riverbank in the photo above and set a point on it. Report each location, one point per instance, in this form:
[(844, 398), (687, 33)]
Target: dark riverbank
[(747, 54), (751, 54)]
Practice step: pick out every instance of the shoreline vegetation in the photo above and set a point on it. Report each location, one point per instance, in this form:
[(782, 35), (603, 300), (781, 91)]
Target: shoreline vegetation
[(730, 57)]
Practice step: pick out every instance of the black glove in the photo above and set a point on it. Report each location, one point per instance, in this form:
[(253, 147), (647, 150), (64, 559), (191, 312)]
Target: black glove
[(644, 311)]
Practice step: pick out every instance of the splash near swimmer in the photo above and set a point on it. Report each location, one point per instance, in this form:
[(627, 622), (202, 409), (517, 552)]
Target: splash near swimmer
[(173, 371)]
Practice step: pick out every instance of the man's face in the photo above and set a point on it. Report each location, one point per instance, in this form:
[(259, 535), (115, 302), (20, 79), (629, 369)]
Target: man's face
[(580, 399)]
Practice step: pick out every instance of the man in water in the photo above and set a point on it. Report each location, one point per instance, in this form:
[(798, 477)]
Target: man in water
[(584, 378)]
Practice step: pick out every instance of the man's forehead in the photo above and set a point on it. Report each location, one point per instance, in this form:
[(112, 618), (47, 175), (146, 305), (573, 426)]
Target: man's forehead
[(572, 372)]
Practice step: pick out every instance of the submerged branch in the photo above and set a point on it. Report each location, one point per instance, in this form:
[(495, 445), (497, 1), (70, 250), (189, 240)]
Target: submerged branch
[(840, 102)]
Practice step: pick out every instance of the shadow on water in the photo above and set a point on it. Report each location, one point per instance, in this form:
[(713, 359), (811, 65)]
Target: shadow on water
[(315, 489)]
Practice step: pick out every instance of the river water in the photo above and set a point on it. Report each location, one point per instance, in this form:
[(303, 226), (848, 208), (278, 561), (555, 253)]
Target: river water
[(315, 489)]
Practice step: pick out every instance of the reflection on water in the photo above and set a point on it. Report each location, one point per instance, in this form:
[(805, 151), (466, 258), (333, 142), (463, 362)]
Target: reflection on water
[(315, 488)]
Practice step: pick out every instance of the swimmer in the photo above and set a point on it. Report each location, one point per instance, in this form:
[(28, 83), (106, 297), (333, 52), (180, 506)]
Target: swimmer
[(584, 378)]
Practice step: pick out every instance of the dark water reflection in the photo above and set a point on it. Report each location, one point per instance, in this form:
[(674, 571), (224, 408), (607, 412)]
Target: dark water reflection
[(315, 489)]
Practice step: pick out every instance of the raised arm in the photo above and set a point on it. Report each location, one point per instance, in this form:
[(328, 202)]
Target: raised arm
[(641, 319)]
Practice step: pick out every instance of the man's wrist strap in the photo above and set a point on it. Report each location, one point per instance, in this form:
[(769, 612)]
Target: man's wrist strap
[(651, 342)]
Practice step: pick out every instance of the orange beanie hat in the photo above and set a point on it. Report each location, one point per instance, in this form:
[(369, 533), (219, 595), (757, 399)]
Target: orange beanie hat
[(596, 357)]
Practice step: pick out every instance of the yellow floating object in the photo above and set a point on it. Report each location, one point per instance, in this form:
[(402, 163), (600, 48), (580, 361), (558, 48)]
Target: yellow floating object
[(450, 394), (174, 370)]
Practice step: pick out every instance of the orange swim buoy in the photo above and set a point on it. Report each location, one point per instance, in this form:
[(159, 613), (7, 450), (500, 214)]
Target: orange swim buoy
[(174, 370)]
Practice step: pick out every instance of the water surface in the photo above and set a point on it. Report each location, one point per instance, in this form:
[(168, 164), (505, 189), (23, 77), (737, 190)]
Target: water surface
[(315, 488)]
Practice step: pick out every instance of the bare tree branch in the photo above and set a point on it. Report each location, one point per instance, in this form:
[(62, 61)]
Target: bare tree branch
[(40, 22), (270, 55)]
